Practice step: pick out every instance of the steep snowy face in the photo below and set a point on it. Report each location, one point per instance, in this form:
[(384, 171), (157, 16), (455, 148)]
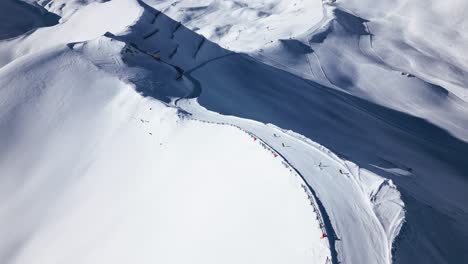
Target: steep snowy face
[(93, 172), (244, 26), (398, 95), (370, 55)]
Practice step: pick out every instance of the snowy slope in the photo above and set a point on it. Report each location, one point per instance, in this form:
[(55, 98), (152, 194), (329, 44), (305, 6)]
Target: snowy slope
[(93, 172), (400, 97), (17, 18), (349, 194), (87, 23), (243, 26), (425, 38), (317, 89), (188, 54)]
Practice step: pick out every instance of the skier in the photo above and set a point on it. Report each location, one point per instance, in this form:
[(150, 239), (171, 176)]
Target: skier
[(180, 72), (156, 57), (321, 166)]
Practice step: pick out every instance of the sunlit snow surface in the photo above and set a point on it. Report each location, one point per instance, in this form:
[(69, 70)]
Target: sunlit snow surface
[(101, 162), (92, 172)]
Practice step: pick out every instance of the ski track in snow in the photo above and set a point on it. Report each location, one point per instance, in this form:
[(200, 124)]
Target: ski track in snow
[(324, 223), (341, 240)]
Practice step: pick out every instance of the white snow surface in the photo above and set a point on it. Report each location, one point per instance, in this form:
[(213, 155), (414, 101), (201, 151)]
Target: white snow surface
[(92, 172), (89, 22), (373, 216), (243, 25), (110, 153), (402, 63)]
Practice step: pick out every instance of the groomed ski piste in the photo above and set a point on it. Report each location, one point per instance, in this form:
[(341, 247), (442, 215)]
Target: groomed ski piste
[(213, 132), (376, 206)]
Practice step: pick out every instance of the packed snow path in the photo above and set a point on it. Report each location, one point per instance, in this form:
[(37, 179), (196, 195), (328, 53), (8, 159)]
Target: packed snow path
[(355, 232), (324, 223)]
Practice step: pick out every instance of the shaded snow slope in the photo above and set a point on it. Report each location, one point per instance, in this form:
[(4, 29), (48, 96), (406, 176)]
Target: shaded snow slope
[(87, 23), (157, 36), (17, 18), (343, 52), (397, 106), (385, 140), (93, 172), (381, 137)]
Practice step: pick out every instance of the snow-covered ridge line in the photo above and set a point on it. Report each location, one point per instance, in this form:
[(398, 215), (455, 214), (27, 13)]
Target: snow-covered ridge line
[(165, 42), (169, 54), (368, 183), (89, 22), (243, 25), (324, 224), (351, 168), (107, 190), (356, 173)]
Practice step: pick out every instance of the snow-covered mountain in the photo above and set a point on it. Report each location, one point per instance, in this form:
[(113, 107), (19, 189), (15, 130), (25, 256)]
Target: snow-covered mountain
[(210, 131)]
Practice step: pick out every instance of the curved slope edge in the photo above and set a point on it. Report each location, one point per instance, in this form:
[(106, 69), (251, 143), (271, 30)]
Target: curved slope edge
[(94, 172)]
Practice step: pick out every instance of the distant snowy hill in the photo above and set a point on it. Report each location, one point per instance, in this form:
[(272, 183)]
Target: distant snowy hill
[(211, 131)]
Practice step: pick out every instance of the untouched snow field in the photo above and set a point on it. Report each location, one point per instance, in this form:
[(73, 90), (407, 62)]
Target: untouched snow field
[(233, 131)]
